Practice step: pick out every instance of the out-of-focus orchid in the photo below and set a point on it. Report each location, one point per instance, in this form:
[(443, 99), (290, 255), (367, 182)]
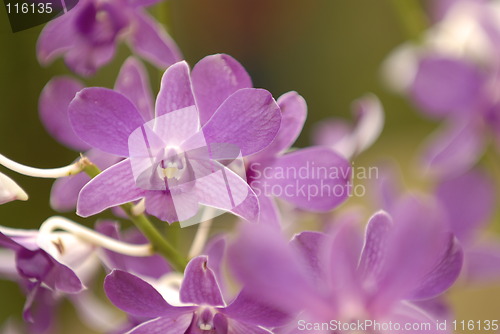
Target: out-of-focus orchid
[(46, 262), (349, 140), (201, 307), (176, 161), (407, 257), (49, 263), (87, 36), (313, 179), (54, 100), (453, 76), (468, 200), (10, 190)]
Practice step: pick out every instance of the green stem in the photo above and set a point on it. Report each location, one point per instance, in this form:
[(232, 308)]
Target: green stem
[(160, 244), (411, 16)]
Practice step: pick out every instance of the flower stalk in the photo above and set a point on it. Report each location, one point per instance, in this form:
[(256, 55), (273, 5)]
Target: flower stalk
[(159, 243), (91, 236), (50, 173)]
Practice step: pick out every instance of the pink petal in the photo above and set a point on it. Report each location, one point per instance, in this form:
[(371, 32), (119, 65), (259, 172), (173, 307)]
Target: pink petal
[(248, 119), (314, 179), (53, 107), (175, 91), (114, 186), (133, 82), (200, 285), (215, 78), (149, 40), (104, 119), (293, 115)]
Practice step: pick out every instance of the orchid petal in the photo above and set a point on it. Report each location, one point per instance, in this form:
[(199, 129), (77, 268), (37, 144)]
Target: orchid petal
[(215, 78), (238, 327), (149, 40), (248, 119), (164, 325), (53, 105), (315, 179), (443, 275), (200, 285), (175, 91), (104, 119), (10, 190), (293, 115), (446, 86), (268, 267), (469, 200), (372, 255), (414, 249), (310, 246), (453, 149), (114, 186), (250, 309), (135, 296), (133, 82), (56, 38)]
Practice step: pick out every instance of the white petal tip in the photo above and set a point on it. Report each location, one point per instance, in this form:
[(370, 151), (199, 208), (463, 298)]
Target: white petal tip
[(10, 190)]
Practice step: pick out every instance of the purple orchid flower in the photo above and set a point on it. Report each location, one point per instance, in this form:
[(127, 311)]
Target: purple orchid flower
[(55, 98), (275, 173), (47, 265), (87, 35), (177, 161), (468, 200), (453, 77), (206, 310), (408, 257), (10, 190)]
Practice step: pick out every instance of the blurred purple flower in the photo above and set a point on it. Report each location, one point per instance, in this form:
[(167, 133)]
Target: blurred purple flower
[(349, 140), (87, 35), (177, 160), (468, 200), (203, 308), (409, 257), (296, 176), (54, 100), (453, 76), (46, 265)]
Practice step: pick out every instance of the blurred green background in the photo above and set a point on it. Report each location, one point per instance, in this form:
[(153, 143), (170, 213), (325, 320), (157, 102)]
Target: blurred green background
[(329, 51)]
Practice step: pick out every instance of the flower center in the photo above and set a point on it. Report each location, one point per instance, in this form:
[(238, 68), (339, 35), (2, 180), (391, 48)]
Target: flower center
[(206, 319), (173, 163)]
